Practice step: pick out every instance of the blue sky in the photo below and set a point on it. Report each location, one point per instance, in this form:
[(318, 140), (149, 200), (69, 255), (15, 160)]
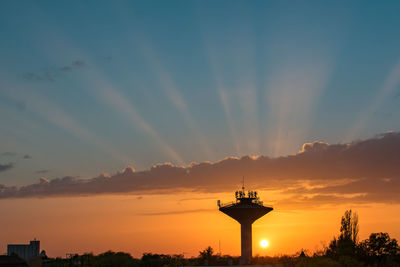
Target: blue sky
[(91, 87)]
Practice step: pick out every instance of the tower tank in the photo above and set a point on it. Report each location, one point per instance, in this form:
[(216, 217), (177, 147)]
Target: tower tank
[(246, 209)]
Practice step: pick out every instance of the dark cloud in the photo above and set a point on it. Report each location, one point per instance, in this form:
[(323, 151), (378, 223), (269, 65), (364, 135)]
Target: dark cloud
[(78, 63), (50, 74), (74, 65), (358, 172), (315, 147), (5, 167), (13, 154)]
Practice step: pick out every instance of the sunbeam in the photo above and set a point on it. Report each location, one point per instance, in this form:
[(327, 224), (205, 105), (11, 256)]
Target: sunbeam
[(224, 97), (176, 99), (233, 68), (292, 94), (57, 116), (117, 101), (96, 80), (390, 84)]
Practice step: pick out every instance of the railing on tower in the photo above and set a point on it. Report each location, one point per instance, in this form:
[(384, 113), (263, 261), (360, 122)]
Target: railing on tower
[(241, 196)]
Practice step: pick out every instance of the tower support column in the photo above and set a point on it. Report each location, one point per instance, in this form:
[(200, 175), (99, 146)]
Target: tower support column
[(246, 242)]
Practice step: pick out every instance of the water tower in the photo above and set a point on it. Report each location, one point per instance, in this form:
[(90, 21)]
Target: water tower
[(246, 209)]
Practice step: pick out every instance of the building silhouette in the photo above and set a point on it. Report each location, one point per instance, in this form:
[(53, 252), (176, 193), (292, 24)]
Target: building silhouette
[(24, 251), (246, 209)]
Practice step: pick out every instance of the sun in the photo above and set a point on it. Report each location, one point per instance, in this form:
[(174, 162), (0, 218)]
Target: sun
[(264, 243)]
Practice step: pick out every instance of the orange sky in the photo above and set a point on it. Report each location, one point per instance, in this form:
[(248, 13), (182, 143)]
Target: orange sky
[(181, 223)]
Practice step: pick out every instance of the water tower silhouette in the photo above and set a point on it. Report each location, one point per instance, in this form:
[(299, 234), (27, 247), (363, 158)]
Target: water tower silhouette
[(246, 210)]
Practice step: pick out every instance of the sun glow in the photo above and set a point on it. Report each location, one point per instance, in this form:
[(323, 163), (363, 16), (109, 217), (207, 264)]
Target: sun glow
[(264, 243)]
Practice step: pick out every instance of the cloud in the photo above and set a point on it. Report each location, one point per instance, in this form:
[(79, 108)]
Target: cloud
[(50, 74), (74, 65), (360, 172), (377, 190), (315, 146), (43, 180), (5, 167), (13, 154)]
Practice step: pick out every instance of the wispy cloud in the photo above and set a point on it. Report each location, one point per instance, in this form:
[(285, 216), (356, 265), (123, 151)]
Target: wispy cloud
[(5, 167), (50, 74), (76, 64), (13, 154)]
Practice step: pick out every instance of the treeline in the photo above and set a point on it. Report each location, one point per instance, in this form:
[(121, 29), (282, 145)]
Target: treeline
[(343, 250)]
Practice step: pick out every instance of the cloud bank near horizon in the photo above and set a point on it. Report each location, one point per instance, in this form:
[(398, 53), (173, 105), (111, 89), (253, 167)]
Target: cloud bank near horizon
[(359, 172)]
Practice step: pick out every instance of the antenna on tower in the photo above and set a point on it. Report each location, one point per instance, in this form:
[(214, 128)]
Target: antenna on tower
[(243, 184)]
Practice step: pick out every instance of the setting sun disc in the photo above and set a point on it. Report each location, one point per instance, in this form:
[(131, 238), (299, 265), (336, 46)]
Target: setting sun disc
[(264, 243)]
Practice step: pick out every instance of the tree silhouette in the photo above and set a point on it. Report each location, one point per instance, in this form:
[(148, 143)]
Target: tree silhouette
[(349, 226), (346, 243), (207, 255), (380, 244)]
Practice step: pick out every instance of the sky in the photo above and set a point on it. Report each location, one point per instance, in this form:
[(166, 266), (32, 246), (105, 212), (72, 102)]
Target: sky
[(122, 123)]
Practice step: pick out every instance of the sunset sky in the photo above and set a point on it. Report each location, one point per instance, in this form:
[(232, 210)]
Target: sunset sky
[(123, 122)]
